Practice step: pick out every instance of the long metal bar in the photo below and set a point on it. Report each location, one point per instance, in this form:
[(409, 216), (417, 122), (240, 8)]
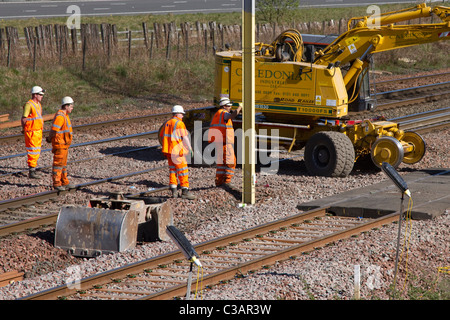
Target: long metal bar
[(148, 134), (274, 257), (248, 90), (105, 277)]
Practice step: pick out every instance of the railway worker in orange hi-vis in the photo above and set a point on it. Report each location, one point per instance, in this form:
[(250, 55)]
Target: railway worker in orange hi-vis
[(221, 132), (61, 137), (32, 126), (175, 147)]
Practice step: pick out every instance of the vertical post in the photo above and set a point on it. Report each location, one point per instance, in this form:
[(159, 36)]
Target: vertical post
[(34, 54), (357, 282), (400, 217), (248, 92), (129, 44)]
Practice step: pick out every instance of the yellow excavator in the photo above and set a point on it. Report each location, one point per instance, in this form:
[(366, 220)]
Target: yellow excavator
[(306, 94)]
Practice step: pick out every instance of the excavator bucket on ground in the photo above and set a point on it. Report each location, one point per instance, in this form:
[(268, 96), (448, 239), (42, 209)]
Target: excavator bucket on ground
[(111, 225)]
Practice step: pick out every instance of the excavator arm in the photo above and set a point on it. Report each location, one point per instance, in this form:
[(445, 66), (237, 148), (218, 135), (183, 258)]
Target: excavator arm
[(376, 34)]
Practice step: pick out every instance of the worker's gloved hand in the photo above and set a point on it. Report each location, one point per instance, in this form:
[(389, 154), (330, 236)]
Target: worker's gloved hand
[(48, 139)]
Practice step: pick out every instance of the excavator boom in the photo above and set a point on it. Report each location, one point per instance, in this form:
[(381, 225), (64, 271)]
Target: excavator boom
[(368, 38)]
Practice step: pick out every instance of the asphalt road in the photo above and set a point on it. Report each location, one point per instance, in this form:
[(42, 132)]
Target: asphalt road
[(45, 9)]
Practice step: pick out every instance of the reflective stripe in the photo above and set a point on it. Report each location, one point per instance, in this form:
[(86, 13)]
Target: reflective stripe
[(225, 168), (64, 136), (182, 169), (34, 121)]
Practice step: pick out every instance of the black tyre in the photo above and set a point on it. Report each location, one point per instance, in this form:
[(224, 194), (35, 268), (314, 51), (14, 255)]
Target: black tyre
[(329, 154)]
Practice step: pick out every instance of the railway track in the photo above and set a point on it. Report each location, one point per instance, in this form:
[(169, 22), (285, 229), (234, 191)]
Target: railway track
[(22, 208), (22, 213), (165, 276), (102, 291), (425, 121), (413, 78)]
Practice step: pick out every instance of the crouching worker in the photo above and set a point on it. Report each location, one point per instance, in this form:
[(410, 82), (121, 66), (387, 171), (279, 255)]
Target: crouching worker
[(175, 146), (61, 138)]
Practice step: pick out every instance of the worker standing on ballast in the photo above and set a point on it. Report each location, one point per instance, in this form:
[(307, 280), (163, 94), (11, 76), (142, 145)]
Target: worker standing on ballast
[(175, 147), (61, 137), (221, 132), (32, 127)]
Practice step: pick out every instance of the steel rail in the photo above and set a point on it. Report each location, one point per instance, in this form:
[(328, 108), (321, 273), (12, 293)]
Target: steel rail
[(414, 100), (84, 160), (411, 78), (83, 127), (272, 258), (140, 266), (46, 195), (387, 94), (421, 114), (225, 274), (414, 122), (148, 134)]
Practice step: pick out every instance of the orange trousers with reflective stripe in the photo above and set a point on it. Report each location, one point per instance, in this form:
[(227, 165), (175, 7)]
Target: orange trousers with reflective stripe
[(59, 171), (33, 142), (226, 163), (178, 168)]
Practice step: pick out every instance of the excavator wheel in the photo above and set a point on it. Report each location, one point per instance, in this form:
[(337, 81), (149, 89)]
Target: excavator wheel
[(419, 147), (387, 149), (329, 154)]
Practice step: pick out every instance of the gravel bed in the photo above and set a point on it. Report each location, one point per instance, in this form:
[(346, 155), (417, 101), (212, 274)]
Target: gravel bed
[(323, 274)]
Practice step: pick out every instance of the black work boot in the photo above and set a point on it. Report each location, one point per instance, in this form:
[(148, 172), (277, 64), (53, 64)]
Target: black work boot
[(174, 192), (185, 194), (32, 174)]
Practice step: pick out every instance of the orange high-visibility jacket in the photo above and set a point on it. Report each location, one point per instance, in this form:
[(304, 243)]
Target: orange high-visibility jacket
[(63, 128), (172, 136), (34, 121), (218, 124)]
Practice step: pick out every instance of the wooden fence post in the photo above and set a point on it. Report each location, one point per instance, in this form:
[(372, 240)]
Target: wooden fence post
[(129, 44), (151, 45)]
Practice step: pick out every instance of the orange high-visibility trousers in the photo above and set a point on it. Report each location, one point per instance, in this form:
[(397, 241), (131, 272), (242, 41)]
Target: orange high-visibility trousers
[(226, 163), (33, 142), (59, 171), (178, 168)]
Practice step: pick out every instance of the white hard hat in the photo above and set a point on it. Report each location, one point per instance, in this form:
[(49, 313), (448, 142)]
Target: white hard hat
[(37, 89), (225, 102), (178, 109), (66, 100)]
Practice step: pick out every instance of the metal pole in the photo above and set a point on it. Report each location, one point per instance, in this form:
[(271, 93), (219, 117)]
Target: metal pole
[(398, 243), (248, 109)]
